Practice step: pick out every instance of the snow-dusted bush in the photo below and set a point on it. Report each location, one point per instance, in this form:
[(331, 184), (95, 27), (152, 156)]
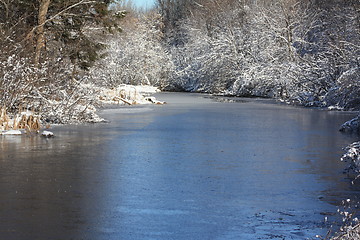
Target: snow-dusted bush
[(350, 226), (53, 91), (239, 50), (350, 232), (352, 156), (17, 79), (351, 126)]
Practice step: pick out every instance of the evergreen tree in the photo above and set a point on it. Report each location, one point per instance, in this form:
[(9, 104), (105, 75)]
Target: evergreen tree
[(33, 24)]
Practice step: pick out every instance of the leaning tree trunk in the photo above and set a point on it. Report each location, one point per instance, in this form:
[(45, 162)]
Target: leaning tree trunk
[(40, 41)]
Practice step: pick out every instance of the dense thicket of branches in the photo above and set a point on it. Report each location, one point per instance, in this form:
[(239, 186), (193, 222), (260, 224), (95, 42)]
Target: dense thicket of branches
[(300, 51)]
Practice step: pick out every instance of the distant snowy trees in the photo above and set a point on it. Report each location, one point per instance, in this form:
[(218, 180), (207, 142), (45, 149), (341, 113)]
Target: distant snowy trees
[(305, 52), (134, 56)]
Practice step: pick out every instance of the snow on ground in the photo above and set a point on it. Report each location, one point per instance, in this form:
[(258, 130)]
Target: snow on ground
[(12, 132), (128, 94)]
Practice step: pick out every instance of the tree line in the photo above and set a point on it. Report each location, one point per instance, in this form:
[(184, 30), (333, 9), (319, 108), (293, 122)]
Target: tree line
[(304, 52), (53, 52)]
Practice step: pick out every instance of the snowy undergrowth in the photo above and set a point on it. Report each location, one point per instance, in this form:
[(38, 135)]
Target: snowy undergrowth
[(352, 157), (350, 228), (135, 56), (350, 233), (351, 126), (83, 107), (53, 92), (59, 95)]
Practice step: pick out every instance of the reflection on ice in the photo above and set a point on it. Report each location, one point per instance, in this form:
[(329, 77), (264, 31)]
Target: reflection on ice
[(126, 110)]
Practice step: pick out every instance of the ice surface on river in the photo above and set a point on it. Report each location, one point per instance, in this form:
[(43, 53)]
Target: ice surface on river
[(191, 169)]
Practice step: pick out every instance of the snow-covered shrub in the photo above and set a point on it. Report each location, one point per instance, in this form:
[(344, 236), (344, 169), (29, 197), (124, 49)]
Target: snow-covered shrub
[(53, 91), (209, 58), (352, 125), (73, 103), (17, 80), (350, 232), (352, 156)]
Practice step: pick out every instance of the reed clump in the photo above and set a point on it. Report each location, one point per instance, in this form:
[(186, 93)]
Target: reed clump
[(4, 120), (24, 120)]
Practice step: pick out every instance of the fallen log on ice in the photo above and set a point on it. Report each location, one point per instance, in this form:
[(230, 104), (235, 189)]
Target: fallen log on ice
[(122, 99)]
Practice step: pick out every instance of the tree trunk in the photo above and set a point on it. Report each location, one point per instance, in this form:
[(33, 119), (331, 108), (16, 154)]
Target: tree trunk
[(40, 41)]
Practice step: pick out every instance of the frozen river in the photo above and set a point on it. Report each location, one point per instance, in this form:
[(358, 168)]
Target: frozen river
[(192, 169)]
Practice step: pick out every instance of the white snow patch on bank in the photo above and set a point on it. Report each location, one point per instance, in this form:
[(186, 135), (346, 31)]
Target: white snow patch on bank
[(12, 132), (127, 95)]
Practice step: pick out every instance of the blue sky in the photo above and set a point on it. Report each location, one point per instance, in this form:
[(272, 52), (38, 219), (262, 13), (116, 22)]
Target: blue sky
[(143, 3)]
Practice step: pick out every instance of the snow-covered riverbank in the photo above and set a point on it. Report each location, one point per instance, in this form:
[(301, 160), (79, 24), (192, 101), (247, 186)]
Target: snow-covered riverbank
[(26, 121)]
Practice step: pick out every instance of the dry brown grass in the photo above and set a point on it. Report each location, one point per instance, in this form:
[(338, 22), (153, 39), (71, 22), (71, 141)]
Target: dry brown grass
[(22, 121)]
